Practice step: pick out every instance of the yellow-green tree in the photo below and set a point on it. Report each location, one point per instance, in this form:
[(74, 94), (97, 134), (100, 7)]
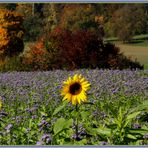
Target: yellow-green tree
[(11, 33)]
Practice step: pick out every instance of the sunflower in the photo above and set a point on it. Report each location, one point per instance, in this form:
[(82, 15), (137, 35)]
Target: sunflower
[(74, 89)]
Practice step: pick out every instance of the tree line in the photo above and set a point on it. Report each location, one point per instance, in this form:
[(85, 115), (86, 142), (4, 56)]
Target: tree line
[(72, 30)]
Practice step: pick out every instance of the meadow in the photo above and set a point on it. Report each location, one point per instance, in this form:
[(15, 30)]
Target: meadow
[(136, 49), (33, 112), (140, 53)]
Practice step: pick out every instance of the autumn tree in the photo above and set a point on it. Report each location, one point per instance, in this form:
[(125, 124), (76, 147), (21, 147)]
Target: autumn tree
[(11, 33)]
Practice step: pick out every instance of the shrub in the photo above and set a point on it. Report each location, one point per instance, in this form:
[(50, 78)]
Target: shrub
[(12, 64), (84, 49), (36, 58)]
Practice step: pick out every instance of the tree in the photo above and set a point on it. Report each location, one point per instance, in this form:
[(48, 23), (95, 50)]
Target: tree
[(78, 16), (11, 33), (128, 21), (51, 16), (32, 20), (8, 6)]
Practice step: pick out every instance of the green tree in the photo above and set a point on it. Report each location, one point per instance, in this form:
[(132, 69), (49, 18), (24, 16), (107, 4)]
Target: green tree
[(9, 6), (33, 21), (51, 16), (128, 21)]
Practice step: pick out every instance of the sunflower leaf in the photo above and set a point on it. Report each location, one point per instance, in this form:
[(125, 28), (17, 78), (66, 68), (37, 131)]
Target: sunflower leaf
[(58, 109), (58, 126), (61, 124)]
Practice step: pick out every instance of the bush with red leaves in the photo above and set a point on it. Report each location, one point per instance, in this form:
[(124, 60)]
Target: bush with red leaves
[(83, 49)]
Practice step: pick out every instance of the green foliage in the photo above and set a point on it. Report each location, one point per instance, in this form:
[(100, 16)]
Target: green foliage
[(12, 64), (80, 38), (61, 124), (58, 109), (41, 116), (33, 25), (125, 24), (118, 129), (9, 6)]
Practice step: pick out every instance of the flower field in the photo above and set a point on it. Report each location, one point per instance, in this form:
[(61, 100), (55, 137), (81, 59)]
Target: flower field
[(33, 111)]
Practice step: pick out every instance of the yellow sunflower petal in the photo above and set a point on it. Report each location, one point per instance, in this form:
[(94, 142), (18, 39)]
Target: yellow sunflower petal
[(78, 99), (74, 89), (74, 101)]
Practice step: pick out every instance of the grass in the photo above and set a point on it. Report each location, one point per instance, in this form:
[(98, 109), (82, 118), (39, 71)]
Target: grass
[(137, 48), (135, 52), (146, 67), (138, 40)]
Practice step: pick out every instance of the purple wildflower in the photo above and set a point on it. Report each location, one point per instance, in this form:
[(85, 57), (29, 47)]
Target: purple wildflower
[(145, 136), (136, 126), (39, 143), (8, 127), (46, 138), (104, 143)]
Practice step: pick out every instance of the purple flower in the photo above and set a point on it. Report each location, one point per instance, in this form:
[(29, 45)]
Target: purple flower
[(43, 123), (28, 130), (46, 138), (74, 136), (104, 143), (39, 143), (34, 117), (8, 127), (136, 126), (145, 136), (3, 114), (83, 133)]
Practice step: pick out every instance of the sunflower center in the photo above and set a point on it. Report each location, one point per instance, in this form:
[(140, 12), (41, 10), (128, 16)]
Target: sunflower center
[(75, 89)]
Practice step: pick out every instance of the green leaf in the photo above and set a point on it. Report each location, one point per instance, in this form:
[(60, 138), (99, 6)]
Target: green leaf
[(68, 123), (81, 142), (58, 109), (120, 115), (144, 105), (104, 131), (91, 131), (58, 126), (43, 113), (138, 131), (84, 114), (62, 124), (131, 136), (95, 131), (133, 115)]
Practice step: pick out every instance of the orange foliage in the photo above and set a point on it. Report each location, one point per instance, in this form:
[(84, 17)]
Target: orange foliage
[(37, 57), (11, 32), (99, 19)]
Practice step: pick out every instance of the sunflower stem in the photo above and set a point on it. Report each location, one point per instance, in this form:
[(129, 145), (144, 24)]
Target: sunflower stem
[(77, 109)]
